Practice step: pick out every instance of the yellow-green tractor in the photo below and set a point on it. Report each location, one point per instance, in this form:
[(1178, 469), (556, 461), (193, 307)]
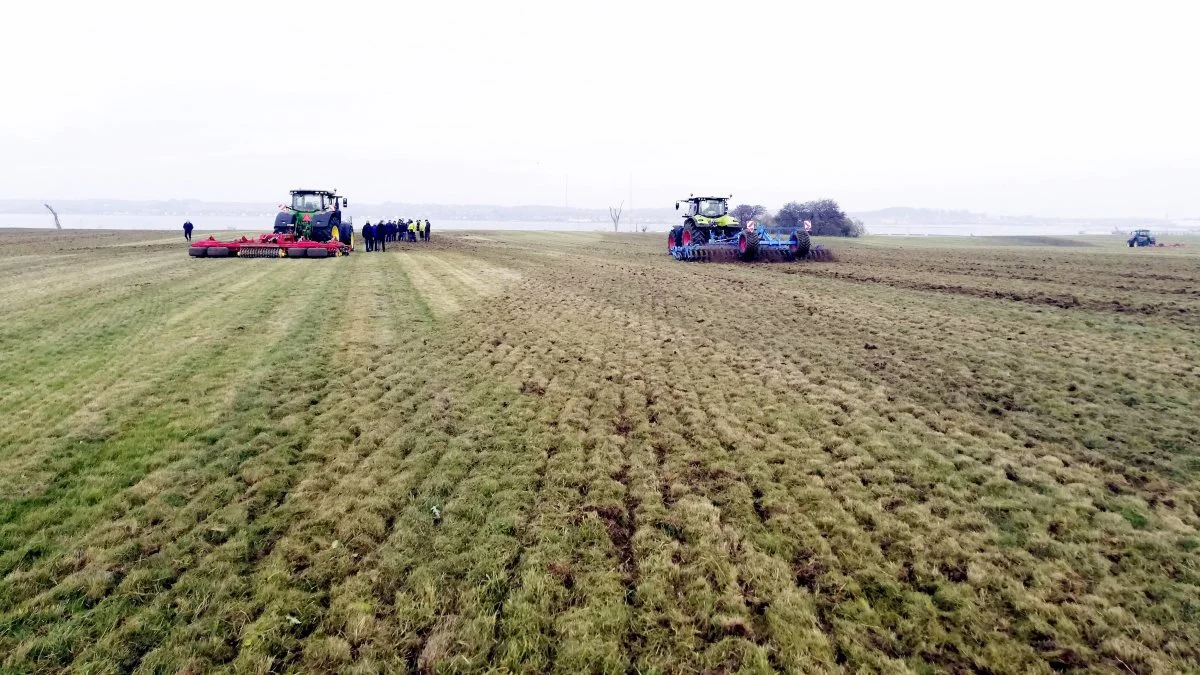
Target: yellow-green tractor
[(709, 232), (706, 219)]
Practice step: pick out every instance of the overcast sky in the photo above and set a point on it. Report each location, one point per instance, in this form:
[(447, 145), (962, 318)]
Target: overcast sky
[(1049, 108)]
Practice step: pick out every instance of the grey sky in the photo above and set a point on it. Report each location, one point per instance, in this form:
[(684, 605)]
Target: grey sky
[(1054, 108)]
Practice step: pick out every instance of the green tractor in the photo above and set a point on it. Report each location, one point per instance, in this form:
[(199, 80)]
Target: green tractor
[(1141, 238), (315, 215)]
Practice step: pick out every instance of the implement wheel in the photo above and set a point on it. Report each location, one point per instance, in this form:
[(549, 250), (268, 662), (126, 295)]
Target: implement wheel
[(799, 245), (318, 253), (748, 245), (197, 251), (296, 253), (218, 252)]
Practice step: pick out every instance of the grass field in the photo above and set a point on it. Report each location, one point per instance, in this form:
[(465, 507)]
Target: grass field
[(569, 453)]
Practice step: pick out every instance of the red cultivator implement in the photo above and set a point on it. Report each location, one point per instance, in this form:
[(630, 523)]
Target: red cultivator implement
[(268, 246)]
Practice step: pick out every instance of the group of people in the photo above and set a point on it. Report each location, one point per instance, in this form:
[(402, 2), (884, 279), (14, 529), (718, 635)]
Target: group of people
[(378, 235)]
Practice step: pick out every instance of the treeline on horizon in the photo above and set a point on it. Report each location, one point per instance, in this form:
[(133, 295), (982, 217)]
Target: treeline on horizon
[(827, 218)]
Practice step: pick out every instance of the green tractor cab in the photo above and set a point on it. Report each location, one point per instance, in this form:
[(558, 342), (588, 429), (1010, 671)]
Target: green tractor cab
[(1141, 238), (706, 219), (315, 215)]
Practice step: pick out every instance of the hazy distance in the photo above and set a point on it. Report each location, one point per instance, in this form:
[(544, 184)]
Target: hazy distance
[(1059, 109)]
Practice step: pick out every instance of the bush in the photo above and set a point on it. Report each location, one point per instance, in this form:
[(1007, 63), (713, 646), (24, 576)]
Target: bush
[(827, 218)]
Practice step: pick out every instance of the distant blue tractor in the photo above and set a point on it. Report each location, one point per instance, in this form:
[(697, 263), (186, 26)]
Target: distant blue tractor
[(1141, 238)]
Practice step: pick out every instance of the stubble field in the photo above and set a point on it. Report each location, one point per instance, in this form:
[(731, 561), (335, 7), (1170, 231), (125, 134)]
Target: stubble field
[(539, 452)]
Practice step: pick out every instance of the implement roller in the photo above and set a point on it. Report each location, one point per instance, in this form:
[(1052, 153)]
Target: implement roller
[(268, 246)]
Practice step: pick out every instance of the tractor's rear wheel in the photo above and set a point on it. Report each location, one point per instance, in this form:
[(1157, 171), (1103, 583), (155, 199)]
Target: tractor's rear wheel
[(197, 251), (748, 244), (693, 235), (324, 232), (672, 238), (347, 235), (217, 252)]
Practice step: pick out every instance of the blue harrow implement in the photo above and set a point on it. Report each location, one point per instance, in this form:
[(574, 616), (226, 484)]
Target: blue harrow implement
[(747, 245)]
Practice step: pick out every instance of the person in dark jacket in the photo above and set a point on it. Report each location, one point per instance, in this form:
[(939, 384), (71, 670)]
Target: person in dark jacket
[(381, 238), (368, 235), (187, 230), (425, 232)]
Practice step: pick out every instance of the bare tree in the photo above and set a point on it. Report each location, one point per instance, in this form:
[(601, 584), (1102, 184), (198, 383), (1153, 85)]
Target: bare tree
[(51, 209), (615, 214)]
